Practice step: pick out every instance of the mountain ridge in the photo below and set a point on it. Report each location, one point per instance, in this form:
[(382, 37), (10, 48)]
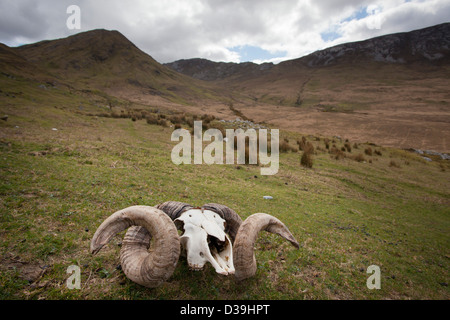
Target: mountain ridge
[(403, 47)]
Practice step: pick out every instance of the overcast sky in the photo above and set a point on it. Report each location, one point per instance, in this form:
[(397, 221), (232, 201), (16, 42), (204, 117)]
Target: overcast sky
[(222, 30)]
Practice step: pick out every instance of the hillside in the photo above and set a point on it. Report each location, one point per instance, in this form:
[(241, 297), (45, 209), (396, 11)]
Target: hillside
[(107, 61)]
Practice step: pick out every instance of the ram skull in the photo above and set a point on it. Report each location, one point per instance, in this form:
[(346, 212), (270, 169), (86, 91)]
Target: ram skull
[(204, 240), (213, 233)]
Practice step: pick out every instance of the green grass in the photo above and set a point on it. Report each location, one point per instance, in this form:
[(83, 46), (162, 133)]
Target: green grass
[(56, 188)]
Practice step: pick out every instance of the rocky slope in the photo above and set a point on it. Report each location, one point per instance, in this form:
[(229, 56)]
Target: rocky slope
[(429, 45)]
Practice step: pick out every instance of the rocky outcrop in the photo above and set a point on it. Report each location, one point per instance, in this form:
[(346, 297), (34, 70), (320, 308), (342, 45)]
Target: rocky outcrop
[(424, 45)]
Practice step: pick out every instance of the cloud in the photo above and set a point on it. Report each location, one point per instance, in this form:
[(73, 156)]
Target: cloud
[(262, 30)]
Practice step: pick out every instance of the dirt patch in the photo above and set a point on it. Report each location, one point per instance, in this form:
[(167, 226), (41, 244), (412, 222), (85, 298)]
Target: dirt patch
[(27, 271)]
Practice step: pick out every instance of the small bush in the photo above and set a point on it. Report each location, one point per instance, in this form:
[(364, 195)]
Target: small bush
[(348, 147), (306, 160), (175, 119), (206, 118), (286, 147), (394, 164), (368, 151), (162, 123), (308, 148), (151, 118), (338, 154), (359, 157)]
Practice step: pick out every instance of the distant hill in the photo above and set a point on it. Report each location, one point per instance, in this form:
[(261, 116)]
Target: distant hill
[(204, 69)]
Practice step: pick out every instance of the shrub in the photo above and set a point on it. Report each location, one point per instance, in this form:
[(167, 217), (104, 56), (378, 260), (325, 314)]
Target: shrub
[(206, 118), (338, 154), (359, 157), (308, 148), (306, 160), (151, 118), (175, 119), (368, 151), (394, 164), (348, 147), (162, 123), (286, 147)]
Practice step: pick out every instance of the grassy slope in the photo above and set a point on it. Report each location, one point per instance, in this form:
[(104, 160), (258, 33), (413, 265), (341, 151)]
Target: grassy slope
[(56, 188), (348, 87)]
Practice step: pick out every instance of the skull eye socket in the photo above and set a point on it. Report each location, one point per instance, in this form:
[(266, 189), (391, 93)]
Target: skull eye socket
[(215, 244), (201, 254)]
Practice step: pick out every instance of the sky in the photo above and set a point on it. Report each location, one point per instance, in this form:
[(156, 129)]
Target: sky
[(220, 30)]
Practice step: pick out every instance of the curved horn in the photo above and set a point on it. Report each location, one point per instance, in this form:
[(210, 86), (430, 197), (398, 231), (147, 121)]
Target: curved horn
[(146, 268), (233, 221), (174, 208), (243, 252)]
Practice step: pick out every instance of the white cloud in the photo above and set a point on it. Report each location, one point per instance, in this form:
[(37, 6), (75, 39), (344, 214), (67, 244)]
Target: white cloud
[(176, 29)]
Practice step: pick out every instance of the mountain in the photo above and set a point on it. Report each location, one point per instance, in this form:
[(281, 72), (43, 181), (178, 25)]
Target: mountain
[(108, 61), (204, 69), (426, 46)]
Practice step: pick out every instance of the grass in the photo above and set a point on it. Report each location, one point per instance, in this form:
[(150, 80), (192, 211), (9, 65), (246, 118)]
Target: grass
[(56, 188)]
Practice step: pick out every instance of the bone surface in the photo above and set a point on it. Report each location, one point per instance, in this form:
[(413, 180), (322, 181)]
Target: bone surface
[(205, 240)]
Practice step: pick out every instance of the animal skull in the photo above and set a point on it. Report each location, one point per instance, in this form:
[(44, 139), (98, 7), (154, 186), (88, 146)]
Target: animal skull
[(205, 240), (213, 233)]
